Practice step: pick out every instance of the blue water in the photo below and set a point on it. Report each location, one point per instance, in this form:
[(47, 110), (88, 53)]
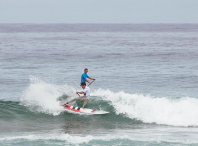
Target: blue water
[(146, 77)]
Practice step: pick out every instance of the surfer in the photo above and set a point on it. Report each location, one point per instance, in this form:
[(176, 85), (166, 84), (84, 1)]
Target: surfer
[(85, 76), (85, 98)]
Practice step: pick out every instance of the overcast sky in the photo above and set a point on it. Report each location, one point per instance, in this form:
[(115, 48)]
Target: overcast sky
[(98, 11)]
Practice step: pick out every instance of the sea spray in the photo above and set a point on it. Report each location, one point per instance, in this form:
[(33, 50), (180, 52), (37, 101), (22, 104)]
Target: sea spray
[(41, 96)]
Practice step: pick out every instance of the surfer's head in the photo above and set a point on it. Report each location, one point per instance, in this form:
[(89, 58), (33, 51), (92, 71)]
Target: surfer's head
[(86, 70), (83, 84)]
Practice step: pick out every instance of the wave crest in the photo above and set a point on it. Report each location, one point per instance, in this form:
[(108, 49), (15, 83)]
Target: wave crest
[(169, 111)]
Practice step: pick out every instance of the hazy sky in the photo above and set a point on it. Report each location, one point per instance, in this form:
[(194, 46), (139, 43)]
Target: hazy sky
[(98, 11)]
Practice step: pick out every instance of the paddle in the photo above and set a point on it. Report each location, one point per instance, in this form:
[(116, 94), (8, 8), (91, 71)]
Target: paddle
[(91, 82)]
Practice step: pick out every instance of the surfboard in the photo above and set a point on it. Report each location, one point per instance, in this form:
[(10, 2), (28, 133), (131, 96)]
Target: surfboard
[(81, 110)]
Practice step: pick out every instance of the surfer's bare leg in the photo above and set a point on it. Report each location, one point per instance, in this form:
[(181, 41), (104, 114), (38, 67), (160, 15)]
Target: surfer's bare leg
[(75, 99), (81, 98), (85, 102), (72, 100)]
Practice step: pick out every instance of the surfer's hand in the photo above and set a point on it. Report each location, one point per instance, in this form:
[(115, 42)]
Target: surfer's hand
[(76, 92), (94, 79)]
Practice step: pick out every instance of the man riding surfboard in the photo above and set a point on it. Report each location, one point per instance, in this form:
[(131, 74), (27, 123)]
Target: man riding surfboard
[(86, 89), (85, 98)]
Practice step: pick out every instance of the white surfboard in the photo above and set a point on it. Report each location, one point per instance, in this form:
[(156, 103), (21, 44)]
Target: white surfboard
[(81, 110)]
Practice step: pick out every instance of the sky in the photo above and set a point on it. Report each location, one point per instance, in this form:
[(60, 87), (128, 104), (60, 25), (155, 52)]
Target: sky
[(98, 11)]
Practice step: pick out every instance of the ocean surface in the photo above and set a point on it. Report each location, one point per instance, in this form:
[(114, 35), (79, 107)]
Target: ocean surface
[(146, 77)]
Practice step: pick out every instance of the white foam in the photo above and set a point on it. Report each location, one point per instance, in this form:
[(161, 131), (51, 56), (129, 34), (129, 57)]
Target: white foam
[(64, 137), (170, 111), (76, 140), (43, 97)]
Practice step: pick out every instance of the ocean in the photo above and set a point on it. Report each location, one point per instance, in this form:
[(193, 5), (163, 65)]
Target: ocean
[(146, 77)]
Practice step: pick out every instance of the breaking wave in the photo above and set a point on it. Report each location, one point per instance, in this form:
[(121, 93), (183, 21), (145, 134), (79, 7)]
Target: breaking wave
[(45, 97)]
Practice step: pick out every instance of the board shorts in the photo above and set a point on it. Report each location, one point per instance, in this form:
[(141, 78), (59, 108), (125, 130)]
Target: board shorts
[(81, 98)]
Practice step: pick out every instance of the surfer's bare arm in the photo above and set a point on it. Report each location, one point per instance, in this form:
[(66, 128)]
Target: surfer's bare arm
[(79, 92), (92, 78), (87, 80)]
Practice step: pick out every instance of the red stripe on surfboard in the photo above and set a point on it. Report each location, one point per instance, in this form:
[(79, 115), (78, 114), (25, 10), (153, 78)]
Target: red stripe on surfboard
[(71, 109)]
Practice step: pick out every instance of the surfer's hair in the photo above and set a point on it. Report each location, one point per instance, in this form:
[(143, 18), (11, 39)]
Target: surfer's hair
[(83, 83), (85, 69)]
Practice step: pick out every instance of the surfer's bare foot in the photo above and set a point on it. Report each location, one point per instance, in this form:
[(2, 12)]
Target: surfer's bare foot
[(65, 103), (83, 108)]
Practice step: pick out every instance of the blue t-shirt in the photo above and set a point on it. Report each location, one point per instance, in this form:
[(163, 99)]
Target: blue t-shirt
[(83, 77)]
